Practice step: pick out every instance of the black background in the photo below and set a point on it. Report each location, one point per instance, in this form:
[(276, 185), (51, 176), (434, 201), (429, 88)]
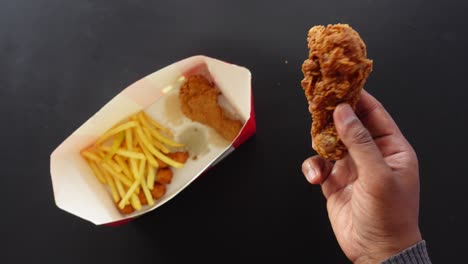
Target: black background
[(60, 61)]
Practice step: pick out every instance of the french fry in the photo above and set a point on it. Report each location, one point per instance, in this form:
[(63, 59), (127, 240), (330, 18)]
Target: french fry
[(135, 142), (124, 166), (155, 143), (141, 174), (154, 151), (149, 156), (141, 170), (134, 168), (118, 175), (90, 155), (100, 153), (128, 139), (115, 194), (150, 176), (115, 145), (120, 188), (97, 172), (164, 139), (113, 164), (116, 130), (129, 194), (125, 153), (147, 193), (126, 158), (143, 118), (149, 129), (146, 121), (157, 125), (146, 131), (130, 154), (160, 147), (135, 202)]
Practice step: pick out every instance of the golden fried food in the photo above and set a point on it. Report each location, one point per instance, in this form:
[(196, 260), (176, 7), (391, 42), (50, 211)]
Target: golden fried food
[(125, 158), (199, 101), (164, 176), (128, 209), (179, 156), (334, 73), (142, 198), (158, 191), (162, 164)]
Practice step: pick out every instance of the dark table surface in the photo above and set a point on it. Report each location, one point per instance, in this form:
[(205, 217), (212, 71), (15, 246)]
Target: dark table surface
[(60, 61)]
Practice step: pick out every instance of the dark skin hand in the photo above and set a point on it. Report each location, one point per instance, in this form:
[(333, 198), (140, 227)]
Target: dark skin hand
[(373, 192)]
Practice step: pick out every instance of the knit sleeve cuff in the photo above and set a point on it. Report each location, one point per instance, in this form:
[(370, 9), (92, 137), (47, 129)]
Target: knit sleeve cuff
[(416, 254)]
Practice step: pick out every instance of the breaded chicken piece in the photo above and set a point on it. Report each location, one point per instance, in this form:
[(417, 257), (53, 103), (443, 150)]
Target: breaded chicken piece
[(158, 191), (164, 176), (334, 73), (179, 156), (128, 209), (199, 102)]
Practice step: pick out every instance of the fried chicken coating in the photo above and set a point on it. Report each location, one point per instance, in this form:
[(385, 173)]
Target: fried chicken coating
[(199, 102), (164, 176), (128, 209), (158, 191), (179, 156), (334, 73), (142, 198)]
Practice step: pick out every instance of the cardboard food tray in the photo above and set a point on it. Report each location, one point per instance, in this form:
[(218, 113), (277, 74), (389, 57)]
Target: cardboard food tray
[(76, 189)]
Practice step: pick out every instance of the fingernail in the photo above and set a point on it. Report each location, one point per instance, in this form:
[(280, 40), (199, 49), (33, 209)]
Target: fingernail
[(310, 172), (346, 114)]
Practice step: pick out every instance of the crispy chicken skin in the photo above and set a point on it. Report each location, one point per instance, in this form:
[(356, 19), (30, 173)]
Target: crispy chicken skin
[(164, 176), (179, 156), (128, 209), (158, 191), (334, 73), (199, 101)]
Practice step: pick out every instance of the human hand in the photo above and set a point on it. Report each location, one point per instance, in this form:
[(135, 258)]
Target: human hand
[(373, 192)]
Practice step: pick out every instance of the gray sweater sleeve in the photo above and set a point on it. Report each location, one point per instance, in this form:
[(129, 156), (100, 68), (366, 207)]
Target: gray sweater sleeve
[(416, 254)]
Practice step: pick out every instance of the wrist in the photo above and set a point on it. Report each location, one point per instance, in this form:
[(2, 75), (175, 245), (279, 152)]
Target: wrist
[(416, 254), (380, 252)]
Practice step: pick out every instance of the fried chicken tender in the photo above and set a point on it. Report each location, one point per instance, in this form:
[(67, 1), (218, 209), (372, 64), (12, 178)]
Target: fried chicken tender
[(334, 73), (199, 102)]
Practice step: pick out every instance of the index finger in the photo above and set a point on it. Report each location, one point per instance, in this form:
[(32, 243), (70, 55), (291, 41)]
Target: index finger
[(380, 124), (374, 116)]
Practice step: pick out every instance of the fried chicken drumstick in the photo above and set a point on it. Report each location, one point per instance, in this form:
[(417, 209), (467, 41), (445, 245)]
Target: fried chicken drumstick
[(199, 101), (334, 73)]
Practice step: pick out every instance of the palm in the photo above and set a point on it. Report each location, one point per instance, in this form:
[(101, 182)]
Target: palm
[(352, 208), (341, 206)]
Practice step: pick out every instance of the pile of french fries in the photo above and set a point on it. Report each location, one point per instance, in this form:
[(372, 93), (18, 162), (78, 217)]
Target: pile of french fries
[(134, 159)]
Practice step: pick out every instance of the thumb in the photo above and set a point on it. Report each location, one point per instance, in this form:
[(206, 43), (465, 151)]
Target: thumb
[(356, 138)]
